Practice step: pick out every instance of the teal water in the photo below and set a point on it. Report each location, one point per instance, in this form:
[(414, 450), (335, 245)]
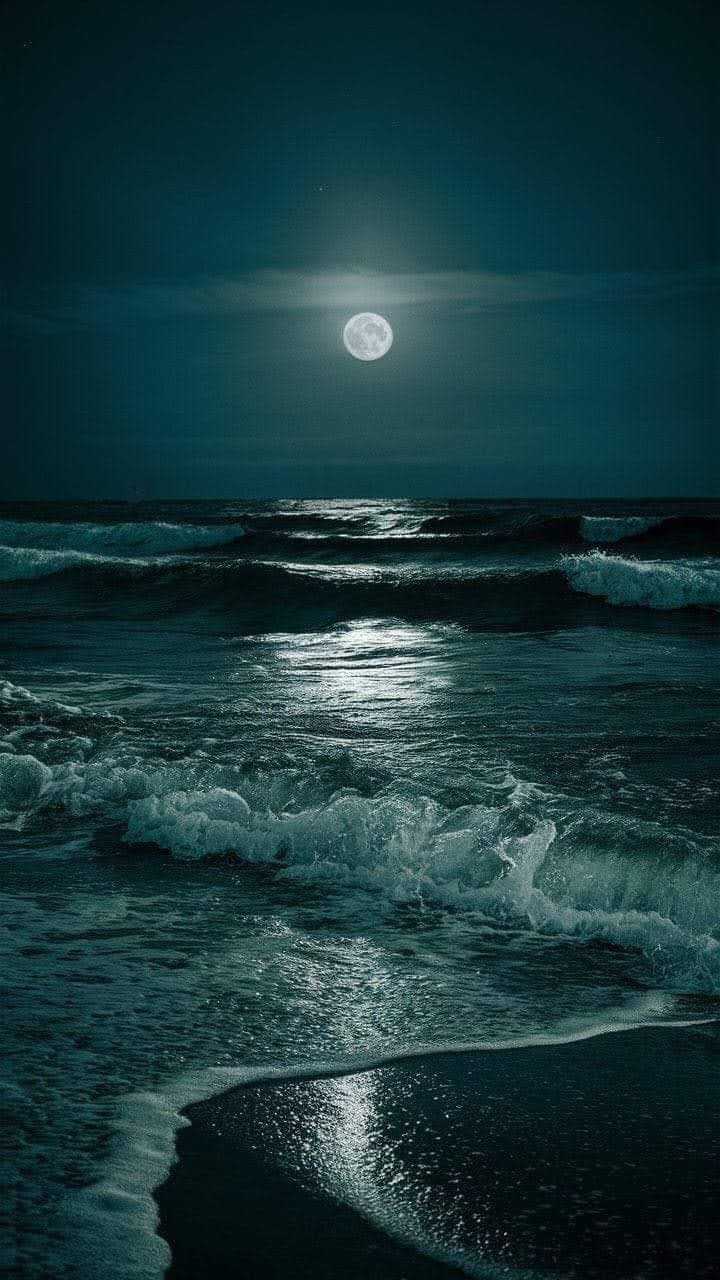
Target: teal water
[(293, 783)]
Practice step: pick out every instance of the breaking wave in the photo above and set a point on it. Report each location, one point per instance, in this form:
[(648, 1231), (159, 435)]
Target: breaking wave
[(649, 583), (260, 590), (308, 531), (519, 860)]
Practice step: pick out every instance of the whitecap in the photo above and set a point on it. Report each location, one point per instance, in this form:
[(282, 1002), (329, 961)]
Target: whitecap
[(655, 584)]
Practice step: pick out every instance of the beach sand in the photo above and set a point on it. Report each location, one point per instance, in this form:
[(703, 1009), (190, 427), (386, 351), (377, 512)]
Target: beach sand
[(597, 1158)]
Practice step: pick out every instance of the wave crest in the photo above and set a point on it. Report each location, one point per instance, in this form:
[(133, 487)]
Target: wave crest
[(694, 532), (512, 861), (21, 564), (149, 537), (653, 584), (615, 528)]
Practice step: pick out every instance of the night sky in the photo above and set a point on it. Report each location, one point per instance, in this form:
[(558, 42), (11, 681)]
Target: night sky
[(198, 195)]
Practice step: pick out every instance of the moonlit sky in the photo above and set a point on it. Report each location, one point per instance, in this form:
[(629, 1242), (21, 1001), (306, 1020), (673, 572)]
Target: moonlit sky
[(199, 195)]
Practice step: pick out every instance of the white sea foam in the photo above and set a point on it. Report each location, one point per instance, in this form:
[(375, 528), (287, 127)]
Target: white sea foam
[(16, 693), (508, 862), (412, 849), (655, 584), (22, 781), (17, 696), (615, 528), (148, 537), (112, 1224)]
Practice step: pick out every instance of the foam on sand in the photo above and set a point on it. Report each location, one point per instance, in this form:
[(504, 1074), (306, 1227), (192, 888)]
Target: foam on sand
[(112, 1224)]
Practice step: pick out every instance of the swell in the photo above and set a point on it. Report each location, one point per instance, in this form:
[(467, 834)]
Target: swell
[(258, 595), (699, 532), (363, 533), (510, 526), (291, 591), (696, 532), (21, 564), (474, 532), (148, 537)]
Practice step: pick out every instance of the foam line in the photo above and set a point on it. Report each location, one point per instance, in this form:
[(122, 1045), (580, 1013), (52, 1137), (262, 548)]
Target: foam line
[(113, 1223)]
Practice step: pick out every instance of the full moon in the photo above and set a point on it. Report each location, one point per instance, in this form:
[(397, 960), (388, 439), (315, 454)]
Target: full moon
[(367, 336)]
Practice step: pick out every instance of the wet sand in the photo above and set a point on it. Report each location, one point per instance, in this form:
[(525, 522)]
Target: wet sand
[(599, 1158)]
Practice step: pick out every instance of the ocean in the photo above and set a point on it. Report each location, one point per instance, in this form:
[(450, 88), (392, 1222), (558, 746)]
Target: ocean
[(291, 789)]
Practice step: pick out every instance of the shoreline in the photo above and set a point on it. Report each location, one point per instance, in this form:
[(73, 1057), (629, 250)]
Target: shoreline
[(345, 1151), (111, 1225)]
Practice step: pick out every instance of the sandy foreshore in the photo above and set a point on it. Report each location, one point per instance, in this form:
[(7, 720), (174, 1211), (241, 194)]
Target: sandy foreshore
[(598, 1158)]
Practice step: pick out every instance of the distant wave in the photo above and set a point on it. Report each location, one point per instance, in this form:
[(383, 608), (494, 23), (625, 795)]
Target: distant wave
[(19, 564), (649, 583), (504, 526), (268, 592), (469, 532), (693, 531), (615, 528), (263, 595), (149, 537), (509, 863), (318, 524), (25, 563), (670, 531)]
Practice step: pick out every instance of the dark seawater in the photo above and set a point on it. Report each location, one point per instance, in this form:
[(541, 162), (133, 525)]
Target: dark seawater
[(289, 786)]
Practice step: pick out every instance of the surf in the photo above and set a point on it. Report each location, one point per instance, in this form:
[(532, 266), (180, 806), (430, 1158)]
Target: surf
[(651, 584)]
